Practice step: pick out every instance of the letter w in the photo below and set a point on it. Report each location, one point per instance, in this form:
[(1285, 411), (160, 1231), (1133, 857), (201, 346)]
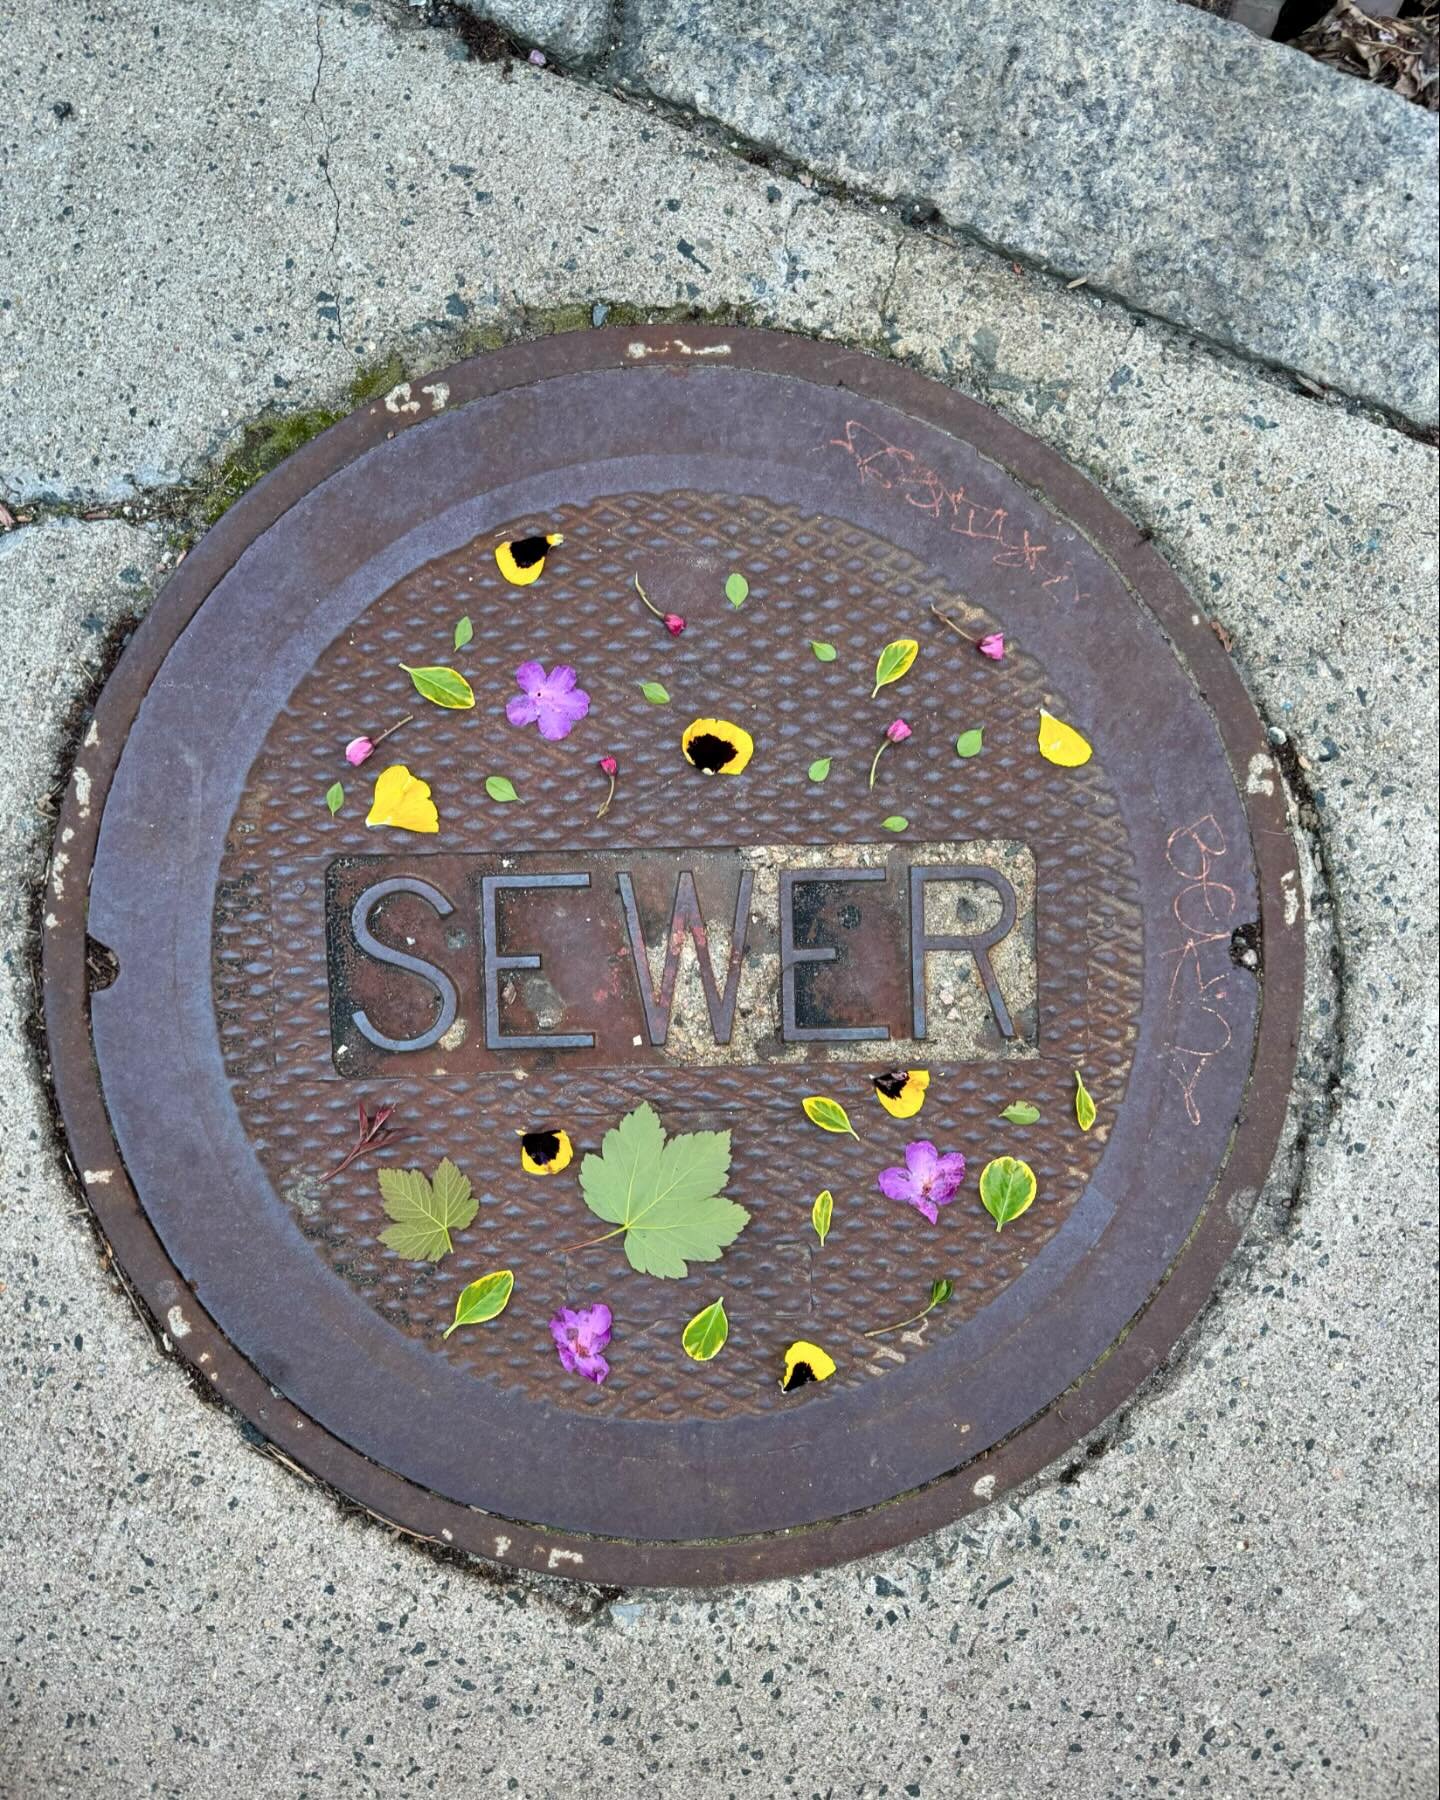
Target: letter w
[(686, 916)]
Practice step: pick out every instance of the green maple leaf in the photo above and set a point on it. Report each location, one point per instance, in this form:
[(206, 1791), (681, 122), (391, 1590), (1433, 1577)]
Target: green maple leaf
[(664, 1197), (425, 1212)]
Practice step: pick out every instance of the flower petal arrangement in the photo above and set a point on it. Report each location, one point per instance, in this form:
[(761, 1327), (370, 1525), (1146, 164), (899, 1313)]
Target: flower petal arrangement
[(552, 702), (580, 1335), (927, 1182)]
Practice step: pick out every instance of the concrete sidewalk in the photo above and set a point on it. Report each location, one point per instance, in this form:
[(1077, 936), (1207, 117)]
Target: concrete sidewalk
[(246, 211)]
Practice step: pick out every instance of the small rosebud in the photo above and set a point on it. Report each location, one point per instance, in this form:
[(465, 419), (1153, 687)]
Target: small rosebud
[(357, 750), (609, 766), (674, 624), (897, 732), (992, 646)]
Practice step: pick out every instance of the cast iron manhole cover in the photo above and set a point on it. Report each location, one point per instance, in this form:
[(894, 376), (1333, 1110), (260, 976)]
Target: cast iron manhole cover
[(717, 948)]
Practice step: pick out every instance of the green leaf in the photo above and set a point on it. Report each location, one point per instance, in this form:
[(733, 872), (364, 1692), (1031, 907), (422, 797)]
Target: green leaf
[(1084, 1105), (829, 1115), (654, 693), (334, 798), (1007, 1186), (1021, 1112), (706, 1333), (821, 1214), (970, 743), (895, 661), (823, 652), (498, 788), (819, 769), (940, 1291), (464, 631), (442, 686), (483, 1300), (425, 1212), (737, 589), (664, 1197), (896, 822)]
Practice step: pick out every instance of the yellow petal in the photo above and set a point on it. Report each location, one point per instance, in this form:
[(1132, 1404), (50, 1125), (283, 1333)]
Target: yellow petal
[(537, 1157), (1061, 743), (911, 1097), (518, 573), (706, 741), (403, 801), (805, 1362)]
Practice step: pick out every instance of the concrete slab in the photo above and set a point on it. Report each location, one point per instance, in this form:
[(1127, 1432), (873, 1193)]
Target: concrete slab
[(573, 30)]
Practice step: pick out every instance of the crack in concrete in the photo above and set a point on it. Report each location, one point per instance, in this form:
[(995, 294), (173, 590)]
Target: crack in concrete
[(324, 161)]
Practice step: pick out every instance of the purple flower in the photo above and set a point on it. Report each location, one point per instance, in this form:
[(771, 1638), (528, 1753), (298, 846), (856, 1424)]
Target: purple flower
[(580, 1335), (993, 646), (928, 1180), (553, 702), (897, 731)]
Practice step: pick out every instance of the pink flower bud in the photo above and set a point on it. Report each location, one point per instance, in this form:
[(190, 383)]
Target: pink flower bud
[(609, 766), (357, 750), (674, 624), (897, 732), (992, 646)]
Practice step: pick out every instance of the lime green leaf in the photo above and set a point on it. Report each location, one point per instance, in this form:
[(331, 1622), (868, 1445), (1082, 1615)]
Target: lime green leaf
[(654, 693), (483, 1300), (970, 743), (940, 1292), (498, 788), (737, 589), (706, 1333), (823, 652), (1021, 1112), (664, 1197), (829, 1115), (1084, 1105), (425, 1212), (821, 1214), (895, 661), (1007, 1186), (896, 822), (334, 798), (819, 769), (464, 631), (442, 686)]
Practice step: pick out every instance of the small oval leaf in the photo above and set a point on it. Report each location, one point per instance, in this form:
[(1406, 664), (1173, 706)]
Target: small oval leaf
[(822, 1212), (895, 660), (1084, 1105), (706, 1333), (1021, 1112), (737, 589), (970, 743), (896, 822), (823, 652), (1007, 1187), (483, 1300), (442, 687), (498, 788), (464, 631), (829, 1115), (654, 693), (334, 798), (819, 769)]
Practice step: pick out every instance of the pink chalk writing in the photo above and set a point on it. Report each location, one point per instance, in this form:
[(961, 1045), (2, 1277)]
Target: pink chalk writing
[(1203, 909)]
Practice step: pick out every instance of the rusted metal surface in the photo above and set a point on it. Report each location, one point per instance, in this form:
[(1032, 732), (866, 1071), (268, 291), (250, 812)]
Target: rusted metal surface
[(1031, 922)]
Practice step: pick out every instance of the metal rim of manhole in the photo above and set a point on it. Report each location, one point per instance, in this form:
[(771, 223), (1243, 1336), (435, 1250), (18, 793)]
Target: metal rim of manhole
[(546, 964)]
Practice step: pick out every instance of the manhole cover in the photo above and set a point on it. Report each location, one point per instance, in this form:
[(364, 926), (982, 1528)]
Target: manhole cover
[(717, 948)]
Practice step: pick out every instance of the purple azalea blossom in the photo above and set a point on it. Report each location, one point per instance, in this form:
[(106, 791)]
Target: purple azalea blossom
[(928, 1180), (553, 702), (580, 1334)]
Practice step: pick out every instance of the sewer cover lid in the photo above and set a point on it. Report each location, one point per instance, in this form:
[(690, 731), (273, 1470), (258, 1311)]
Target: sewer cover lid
[(506, 981)]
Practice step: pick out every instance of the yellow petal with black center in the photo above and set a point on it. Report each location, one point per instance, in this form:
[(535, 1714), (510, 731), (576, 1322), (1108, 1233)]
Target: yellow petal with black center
[(717, 747), (521, 560), (805, 1362), (545, 1152), (402, 800), (902, 1091)]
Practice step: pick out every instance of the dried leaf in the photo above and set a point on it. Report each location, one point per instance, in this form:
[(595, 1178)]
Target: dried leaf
[(443, 687), (819, 769), (499, 788), (483, 1300), (334, 797), (895, 661), (1021, 1112), (823, 652), (737, 589), (1062, 744), (1007, 1187), (654, 693), (829, 1115), (896, 822), (821, 1213), (1084, 1105), (425, 1212), (464, 631), (970, 743), (706, 1333)]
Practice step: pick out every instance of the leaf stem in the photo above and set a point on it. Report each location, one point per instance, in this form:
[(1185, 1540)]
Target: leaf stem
[(646, 598), (945, 619), (879, 753), (565, 1249), (395, 727), (608, 798), (899, 1324)]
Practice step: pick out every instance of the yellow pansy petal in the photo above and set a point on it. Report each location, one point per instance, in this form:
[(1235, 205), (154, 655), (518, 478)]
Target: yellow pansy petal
[(1061, 743), (545, 1152), (521, 560), (902, 1091), (403, 801), (805, 1362), (717, 747)]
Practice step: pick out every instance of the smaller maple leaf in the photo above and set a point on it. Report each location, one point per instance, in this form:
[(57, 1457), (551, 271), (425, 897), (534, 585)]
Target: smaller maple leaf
[(425, 1212)]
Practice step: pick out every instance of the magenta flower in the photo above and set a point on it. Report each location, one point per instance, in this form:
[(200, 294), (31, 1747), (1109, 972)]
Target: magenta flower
[(897, 731), (927, 1182), (607, 765), (580, 1334), (357, 750), (992, 646), (674, 624), (553, 702)]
